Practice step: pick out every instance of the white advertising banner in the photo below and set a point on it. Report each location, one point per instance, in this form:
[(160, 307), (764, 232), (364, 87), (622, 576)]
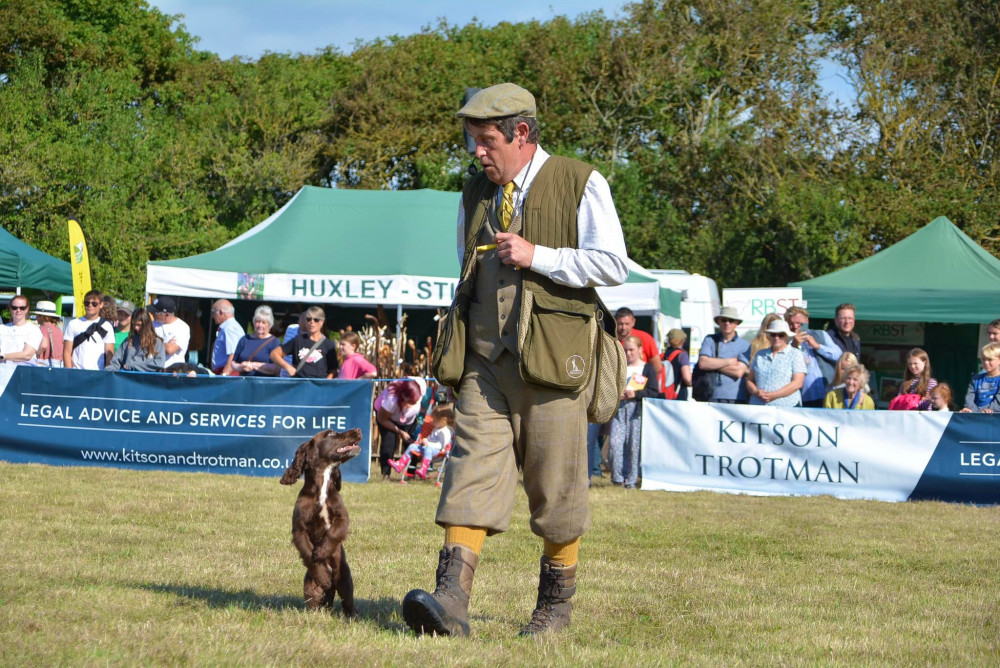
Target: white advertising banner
[(689, 446), (755, 303), (428, 291)]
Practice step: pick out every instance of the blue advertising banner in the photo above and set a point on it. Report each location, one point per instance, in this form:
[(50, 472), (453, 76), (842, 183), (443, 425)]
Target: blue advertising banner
[(248, 426), (887, 455)]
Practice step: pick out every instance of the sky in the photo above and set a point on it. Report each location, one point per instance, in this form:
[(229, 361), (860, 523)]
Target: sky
[(249, 28)]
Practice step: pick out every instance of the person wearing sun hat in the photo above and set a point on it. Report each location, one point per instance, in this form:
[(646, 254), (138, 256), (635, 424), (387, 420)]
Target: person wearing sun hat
[(776, 374), (536, 229), (726, 355), (50, 350)]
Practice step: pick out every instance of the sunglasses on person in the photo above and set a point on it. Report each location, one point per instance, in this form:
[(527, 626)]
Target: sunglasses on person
[(314, 319), (18, 308), (781, 334), (721, 320), (92, 302)]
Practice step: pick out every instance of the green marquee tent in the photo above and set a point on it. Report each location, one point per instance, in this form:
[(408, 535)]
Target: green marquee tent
[(23, 266), (353, 248), (937, 274)]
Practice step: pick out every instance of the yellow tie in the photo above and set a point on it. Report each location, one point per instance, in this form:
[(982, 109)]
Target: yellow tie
[(507, 206)]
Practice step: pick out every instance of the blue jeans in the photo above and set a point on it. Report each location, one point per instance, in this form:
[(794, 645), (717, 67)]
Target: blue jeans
[(594, 449)]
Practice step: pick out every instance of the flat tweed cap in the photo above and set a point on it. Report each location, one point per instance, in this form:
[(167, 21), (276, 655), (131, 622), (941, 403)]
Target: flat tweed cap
[(498, 101)]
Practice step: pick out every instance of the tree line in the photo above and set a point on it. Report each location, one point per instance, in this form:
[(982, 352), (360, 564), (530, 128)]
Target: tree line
[(723, 152)]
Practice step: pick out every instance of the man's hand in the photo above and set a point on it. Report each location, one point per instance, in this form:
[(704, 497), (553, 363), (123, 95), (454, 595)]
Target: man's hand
[(513, 249)]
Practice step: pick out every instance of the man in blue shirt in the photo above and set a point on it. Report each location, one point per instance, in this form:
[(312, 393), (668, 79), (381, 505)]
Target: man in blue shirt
[(814, 386), (227, 336), (728, 356)]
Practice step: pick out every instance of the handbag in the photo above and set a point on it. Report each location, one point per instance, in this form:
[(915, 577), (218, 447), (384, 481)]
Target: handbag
[(905, 402), (611, 366), (448, 358)]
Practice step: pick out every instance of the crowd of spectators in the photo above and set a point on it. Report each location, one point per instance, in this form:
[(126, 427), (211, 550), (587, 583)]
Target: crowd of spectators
[(785, 364), (113, 336)]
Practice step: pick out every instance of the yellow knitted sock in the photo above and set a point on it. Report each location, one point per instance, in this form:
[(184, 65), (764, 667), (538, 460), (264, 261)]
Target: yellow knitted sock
[(470, 537), (566, 554)]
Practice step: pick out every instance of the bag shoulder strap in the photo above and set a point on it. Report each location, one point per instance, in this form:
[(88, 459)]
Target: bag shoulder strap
[(262, 344), (51, 350), (86, 334), (302, 360)]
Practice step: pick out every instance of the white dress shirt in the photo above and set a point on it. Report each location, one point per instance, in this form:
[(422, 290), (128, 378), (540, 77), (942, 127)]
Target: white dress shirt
[(600, 256)]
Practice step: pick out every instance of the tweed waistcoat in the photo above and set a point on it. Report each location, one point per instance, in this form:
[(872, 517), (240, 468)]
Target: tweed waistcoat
[(548, 217)]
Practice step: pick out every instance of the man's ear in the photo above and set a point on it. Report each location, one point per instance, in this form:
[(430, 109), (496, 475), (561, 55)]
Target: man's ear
[(521, 132)]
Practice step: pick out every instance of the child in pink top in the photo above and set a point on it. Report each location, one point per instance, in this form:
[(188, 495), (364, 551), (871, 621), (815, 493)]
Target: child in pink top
[(354, 365)]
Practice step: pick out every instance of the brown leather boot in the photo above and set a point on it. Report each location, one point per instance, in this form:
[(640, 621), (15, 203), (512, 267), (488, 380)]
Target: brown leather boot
[(556, 584), (446, 611)]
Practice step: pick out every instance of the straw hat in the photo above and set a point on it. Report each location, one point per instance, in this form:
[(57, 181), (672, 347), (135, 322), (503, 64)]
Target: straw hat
[(729, 313), (779, 326), (46, 308)]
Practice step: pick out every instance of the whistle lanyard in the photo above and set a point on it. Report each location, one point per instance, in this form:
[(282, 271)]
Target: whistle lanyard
[(854, 402), (518, 207)]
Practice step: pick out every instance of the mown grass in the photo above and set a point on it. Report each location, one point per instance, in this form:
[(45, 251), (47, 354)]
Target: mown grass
[(100, 566)]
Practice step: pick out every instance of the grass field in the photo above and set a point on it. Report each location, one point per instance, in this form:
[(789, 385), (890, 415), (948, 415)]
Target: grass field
[(100, 566)]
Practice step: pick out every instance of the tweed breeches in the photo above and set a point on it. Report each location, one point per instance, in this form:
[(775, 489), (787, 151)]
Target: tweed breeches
[(502, 423)]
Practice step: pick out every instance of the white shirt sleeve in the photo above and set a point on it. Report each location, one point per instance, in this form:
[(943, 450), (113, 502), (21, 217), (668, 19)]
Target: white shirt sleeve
[(182, 337), (32, 336), (600, 258), (108, 332)]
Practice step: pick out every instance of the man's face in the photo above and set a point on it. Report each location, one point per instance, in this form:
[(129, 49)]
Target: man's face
[(797, 322), (92, 307), (159, 317), (624, 325), (501, 159), (125, 324), (218, 315), (994, 334), (18, 310), (727, 326), (845, 320)]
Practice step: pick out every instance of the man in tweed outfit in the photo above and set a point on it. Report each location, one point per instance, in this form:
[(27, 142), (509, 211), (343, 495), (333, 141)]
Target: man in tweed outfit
[(542, 231)]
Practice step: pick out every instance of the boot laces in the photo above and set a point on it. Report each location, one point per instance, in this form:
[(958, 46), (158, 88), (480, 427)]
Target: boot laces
[(446, 580), (542, 617)]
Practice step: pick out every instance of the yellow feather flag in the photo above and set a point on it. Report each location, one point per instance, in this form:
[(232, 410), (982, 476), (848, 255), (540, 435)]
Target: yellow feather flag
[(79, 263)]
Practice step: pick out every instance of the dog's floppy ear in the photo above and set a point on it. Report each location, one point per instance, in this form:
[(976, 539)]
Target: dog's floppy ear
[(294, 470)]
